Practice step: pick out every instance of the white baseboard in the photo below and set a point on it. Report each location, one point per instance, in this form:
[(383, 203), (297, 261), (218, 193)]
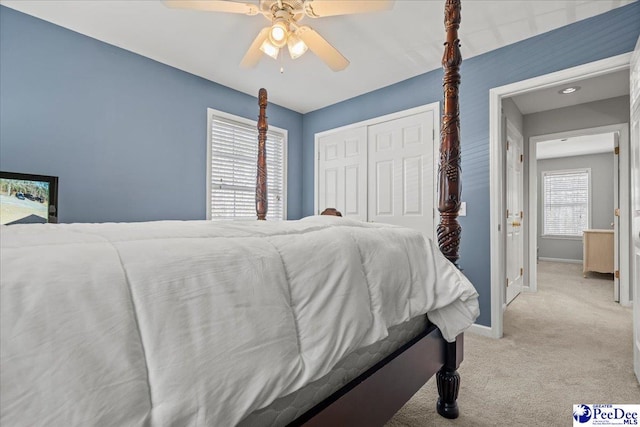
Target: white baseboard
[(481, 330), (570, 261)]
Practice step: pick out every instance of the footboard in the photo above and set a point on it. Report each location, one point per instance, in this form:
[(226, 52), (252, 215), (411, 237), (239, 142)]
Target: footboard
[(375, 396)]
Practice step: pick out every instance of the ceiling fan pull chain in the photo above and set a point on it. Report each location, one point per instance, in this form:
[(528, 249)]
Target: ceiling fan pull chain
[(281, 62)]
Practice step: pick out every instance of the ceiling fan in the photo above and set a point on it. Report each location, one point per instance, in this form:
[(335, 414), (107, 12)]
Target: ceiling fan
[(285, 30)]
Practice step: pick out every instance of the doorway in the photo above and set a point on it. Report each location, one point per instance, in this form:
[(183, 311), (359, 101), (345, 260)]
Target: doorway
[(574, 183), (498, 217)]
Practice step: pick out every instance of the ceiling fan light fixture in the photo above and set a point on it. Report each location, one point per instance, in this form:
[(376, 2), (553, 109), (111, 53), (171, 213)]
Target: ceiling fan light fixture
[(270, 49), (297, 47), (278, 33)]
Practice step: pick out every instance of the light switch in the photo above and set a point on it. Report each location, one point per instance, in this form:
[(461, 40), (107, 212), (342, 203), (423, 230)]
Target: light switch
[(463, 209)]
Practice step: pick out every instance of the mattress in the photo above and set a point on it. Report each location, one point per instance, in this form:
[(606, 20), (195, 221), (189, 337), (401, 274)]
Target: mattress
[(200, 323), (288, 408)]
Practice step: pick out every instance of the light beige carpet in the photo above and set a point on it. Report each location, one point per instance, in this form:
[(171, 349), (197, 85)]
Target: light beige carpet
[(569, 343)]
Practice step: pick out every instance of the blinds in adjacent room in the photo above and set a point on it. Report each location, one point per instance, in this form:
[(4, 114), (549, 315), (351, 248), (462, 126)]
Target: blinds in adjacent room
[(566, 203), (233, 157)]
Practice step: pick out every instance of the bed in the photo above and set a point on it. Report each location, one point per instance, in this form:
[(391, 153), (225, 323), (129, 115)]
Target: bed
[(181, 323)]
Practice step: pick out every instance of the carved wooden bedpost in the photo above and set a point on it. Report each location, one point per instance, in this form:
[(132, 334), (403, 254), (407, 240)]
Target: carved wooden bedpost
[(449, 169), (261, 179), (447, 378)]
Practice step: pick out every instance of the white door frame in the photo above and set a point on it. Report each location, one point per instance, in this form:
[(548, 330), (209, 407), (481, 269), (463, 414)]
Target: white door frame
[(434, 106), (497, 168), (634, 146), (622, 129)]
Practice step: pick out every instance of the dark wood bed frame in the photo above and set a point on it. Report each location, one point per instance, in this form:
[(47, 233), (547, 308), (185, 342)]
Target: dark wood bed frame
[(375, 396)]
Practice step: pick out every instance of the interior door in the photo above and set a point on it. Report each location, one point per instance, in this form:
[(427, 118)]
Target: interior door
[(342, 168), (515, 216), (635, 202), (616, 218), (401, 172)]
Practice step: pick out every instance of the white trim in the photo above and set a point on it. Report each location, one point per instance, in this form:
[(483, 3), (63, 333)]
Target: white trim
[(497, 220), (556, 237), (213, 112), (434, 106), (568, 75), (634, 202), (625, 219), (207, 196), (481, 330), (564, 260), (496, 180)]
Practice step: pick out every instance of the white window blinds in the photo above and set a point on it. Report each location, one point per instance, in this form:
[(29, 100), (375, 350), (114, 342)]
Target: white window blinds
[(565, 202), (233, 158)]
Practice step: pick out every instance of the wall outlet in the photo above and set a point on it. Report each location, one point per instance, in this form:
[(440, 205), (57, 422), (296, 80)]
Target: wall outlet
[(463, 209)]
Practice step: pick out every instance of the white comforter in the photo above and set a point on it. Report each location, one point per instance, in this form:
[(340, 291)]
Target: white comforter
[(200, 323)]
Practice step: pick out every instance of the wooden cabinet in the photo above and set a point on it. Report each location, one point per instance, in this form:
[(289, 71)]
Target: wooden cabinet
[(597, 251)]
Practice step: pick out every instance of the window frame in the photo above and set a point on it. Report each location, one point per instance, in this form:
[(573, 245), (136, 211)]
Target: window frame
[(211, 113), (543, 206)]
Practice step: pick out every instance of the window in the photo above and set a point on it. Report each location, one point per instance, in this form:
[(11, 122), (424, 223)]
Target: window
[(566, 202), (231, 170)]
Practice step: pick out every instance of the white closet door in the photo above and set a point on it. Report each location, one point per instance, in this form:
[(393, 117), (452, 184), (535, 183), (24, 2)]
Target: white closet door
[(401, 173), (342, 169)]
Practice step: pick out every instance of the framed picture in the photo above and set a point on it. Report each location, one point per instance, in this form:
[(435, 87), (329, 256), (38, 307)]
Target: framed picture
[(28, 199)]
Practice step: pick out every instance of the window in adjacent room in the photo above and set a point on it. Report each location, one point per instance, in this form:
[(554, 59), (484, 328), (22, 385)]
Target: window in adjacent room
[(231, 168), (566, 203)]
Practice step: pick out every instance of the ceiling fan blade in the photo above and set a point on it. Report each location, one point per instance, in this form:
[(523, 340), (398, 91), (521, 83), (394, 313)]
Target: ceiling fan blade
[(214, 6), (322, 48), (254, 54), (321, 8)]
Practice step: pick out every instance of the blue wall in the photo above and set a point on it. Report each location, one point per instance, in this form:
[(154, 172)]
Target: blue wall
[(125, 134), (602, 36)]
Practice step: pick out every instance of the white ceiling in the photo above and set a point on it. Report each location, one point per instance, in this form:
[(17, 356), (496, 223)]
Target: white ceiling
[(384, 47), (591, 89), (575, 146)]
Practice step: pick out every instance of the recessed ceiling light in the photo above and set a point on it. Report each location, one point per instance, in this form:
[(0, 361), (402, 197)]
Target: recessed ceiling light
[(568, 90)]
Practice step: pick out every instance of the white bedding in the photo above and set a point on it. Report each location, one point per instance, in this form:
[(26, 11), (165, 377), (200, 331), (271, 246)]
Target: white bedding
[(200, 323)]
